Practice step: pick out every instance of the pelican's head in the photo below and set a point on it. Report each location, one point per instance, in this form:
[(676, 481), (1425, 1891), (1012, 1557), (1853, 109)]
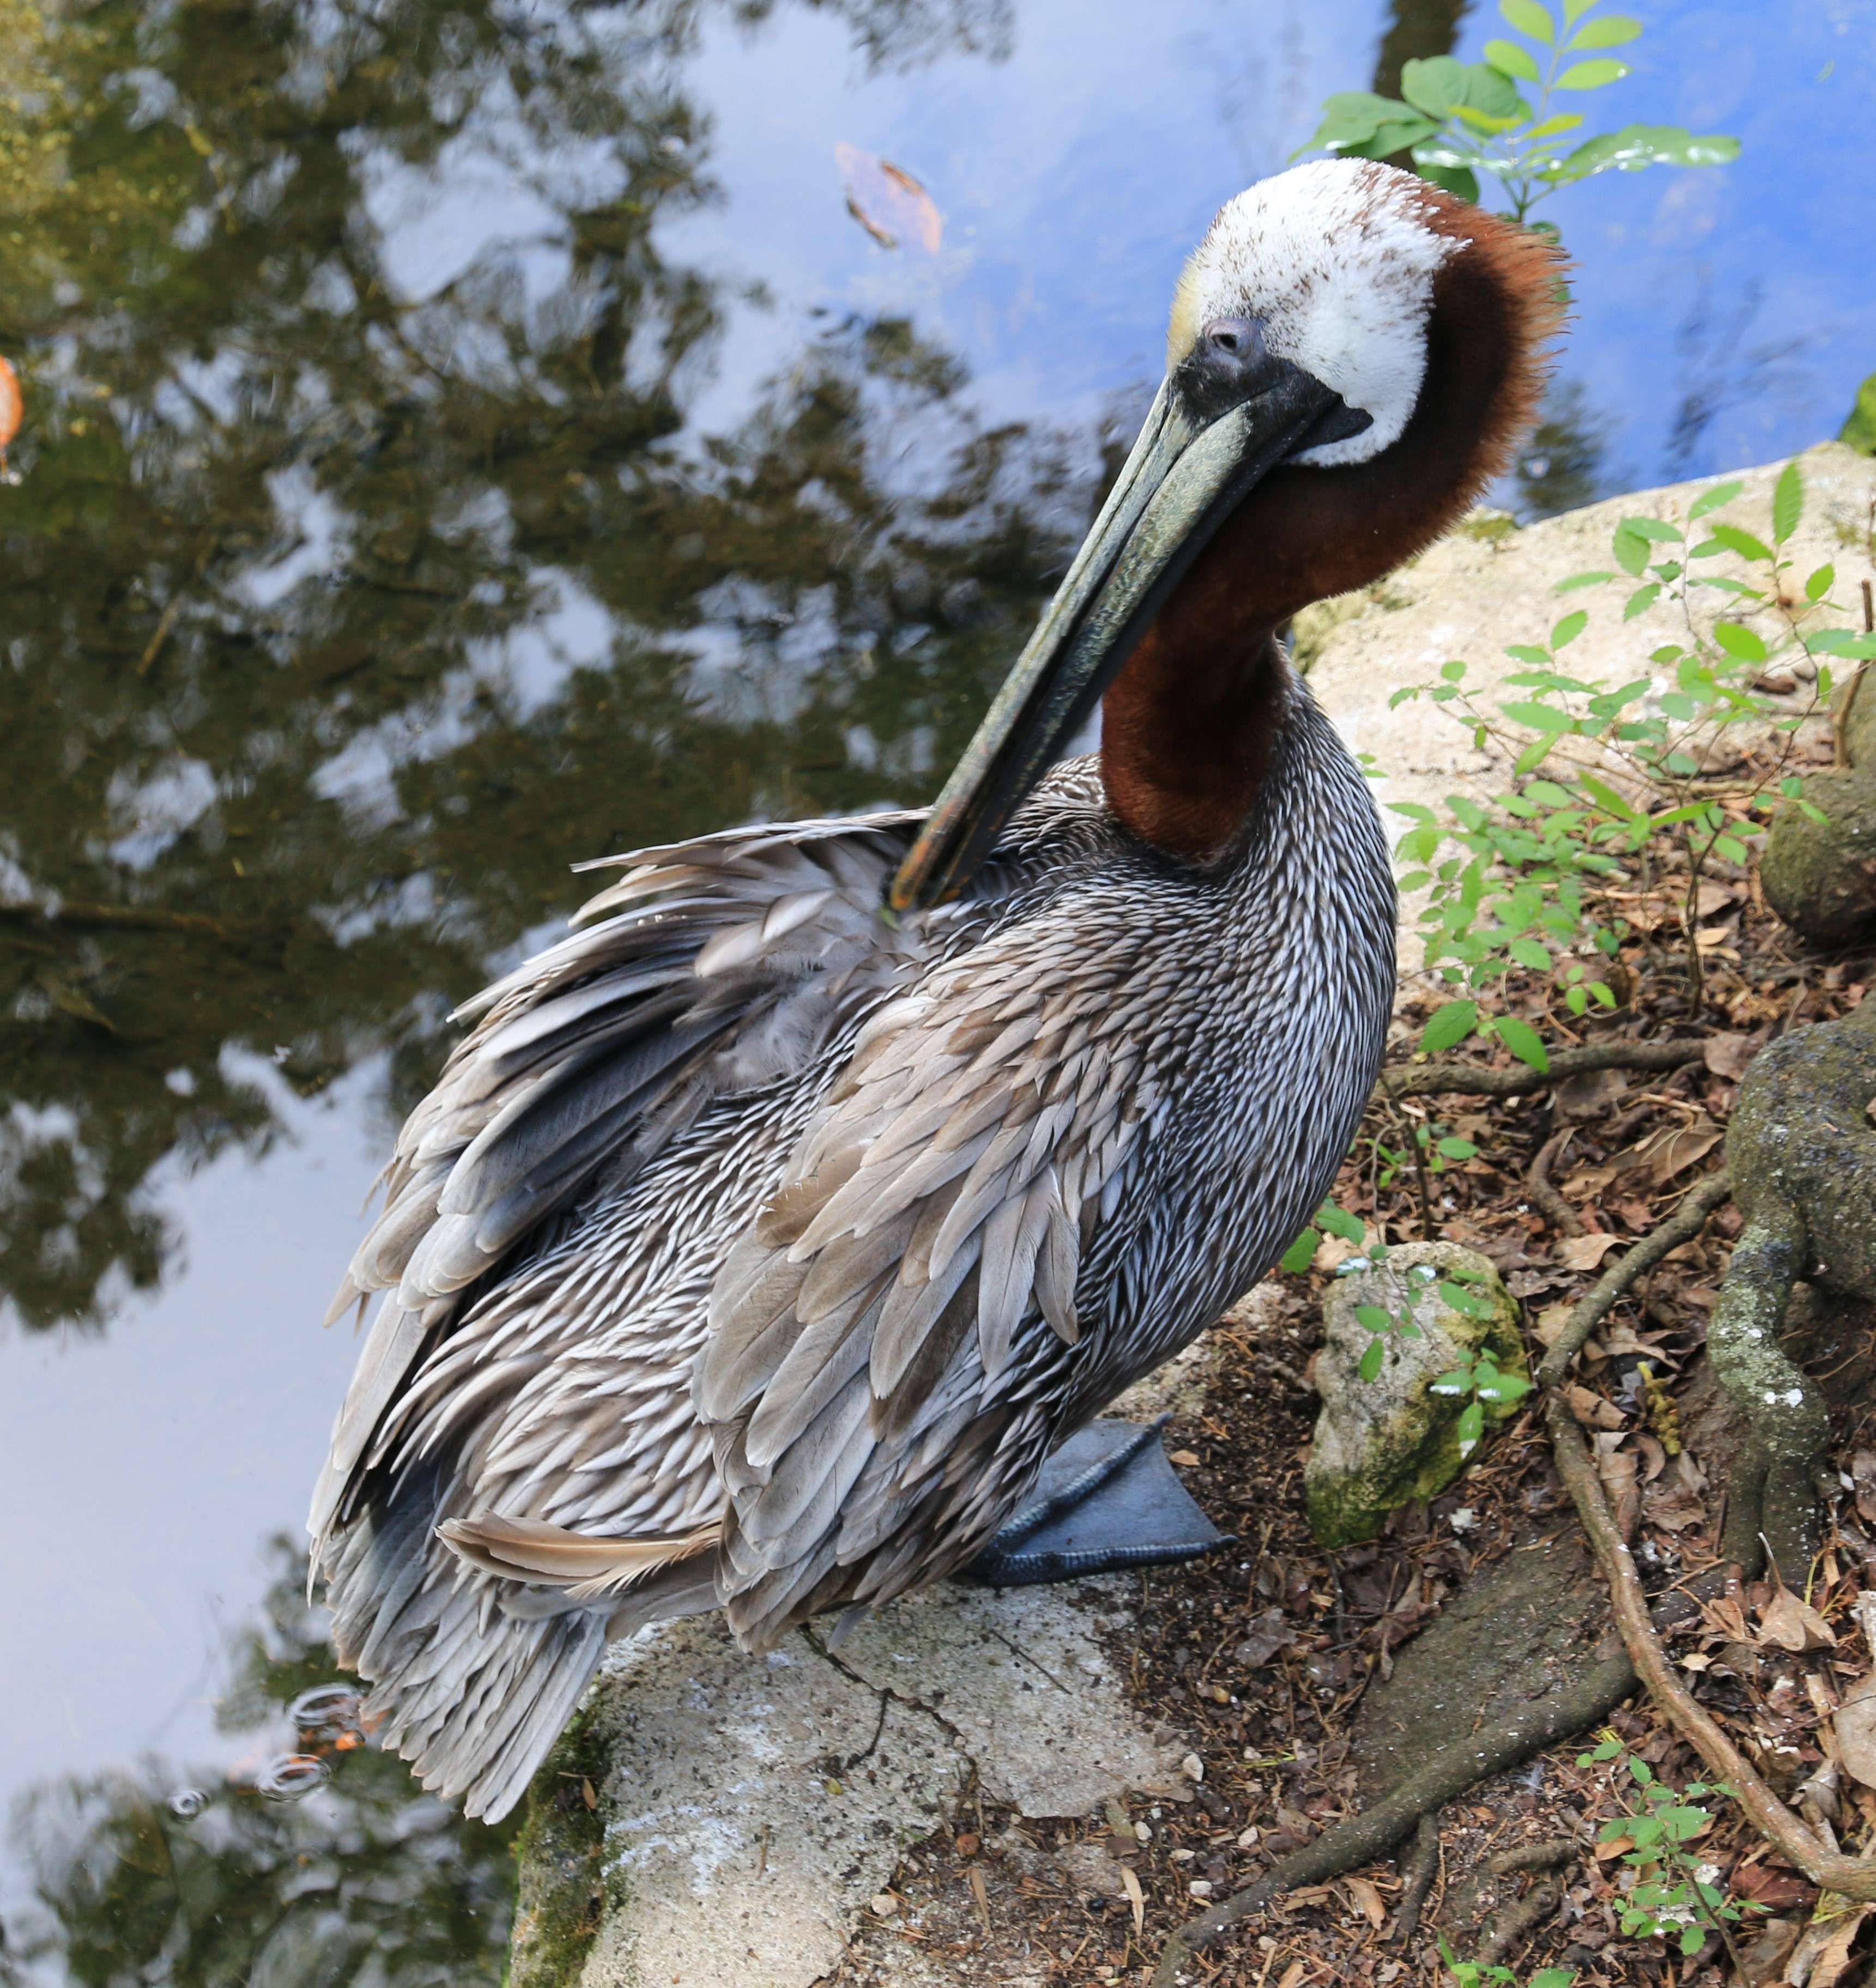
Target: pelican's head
[(1352, 355)]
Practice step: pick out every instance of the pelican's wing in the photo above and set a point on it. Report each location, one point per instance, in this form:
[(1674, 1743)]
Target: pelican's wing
[(881, 1340), (711, 966)]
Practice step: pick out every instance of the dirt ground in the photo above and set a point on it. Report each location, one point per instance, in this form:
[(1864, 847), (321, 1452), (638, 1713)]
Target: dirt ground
[(1261, 1656)]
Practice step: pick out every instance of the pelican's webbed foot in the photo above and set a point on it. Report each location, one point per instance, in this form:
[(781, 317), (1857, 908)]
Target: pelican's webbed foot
[(1107, 1499)]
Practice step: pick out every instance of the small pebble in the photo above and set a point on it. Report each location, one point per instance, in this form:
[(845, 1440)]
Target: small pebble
[(1200, 1887), (1192, 1767), (1143, 1832), (885, 1905)]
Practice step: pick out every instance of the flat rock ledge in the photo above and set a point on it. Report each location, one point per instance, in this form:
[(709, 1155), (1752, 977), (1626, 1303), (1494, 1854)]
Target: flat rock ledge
[(723, 1822), (752, 1806)]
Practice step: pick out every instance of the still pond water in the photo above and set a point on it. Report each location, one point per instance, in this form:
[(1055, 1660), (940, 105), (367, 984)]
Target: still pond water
[(465, 437)]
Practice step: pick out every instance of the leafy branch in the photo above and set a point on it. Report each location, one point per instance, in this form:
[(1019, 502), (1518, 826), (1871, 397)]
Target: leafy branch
[(1463, 119)]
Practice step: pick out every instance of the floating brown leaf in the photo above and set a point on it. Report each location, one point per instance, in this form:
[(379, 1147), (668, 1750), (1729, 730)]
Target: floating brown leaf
[(887, 202)]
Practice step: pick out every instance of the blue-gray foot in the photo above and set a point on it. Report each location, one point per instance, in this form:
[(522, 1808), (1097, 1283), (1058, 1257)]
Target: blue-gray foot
[(1107, 1499)]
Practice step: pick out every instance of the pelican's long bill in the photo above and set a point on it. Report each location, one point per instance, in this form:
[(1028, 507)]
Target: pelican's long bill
[(1183, 477)]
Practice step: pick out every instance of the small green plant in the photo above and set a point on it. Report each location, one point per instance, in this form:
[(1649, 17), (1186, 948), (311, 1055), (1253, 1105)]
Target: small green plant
[(1617, 786), (1475, 1974), (1673, 1896), (1463, 119)]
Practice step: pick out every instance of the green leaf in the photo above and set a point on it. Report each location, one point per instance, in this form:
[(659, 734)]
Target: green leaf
[(1471, 1427), (1630, 549), (1357, 121), (1742, 543), (1539, 717), (1820, 582), (1842, 642), (1531, 953), (1711, 500), (1459, 180), (1663, 534), (1567, 630), (1451, 1023), (1371, 1366), (1457, 1149), (1301, 1253), (1636, 146), (1440, 85), (1607, 31), (1787, 502), (1606, 798), (1339, 1222), (1453, 671), (1738, 639), (1580, 580), (1641, 600), (1593, 74), (1522, 1040), (1530, 19), (1509, 59), (1373, 1316)]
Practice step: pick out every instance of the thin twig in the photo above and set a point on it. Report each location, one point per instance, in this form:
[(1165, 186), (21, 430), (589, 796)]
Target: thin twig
[(1687, 1222), (1479, 1081), (1850, 1877), (1417, 1870)]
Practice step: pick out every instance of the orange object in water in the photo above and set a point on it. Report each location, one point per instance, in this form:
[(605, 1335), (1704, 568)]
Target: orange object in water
[(11, 407)]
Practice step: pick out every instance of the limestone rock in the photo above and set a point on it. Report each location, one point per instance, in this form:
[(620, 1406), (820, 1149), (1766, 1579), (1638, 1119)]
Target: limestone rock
[(752, 1808), (1382, 1441)]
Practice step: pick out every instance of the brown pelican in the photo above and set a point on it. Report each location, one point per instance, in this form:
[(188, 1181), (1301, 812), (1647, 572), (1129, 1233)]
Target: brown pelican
[(765, 1236)]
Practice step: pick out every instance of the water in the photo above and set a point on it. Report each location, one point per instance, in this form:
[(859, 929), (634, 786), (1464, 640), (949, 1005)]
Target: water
[(462, 439)]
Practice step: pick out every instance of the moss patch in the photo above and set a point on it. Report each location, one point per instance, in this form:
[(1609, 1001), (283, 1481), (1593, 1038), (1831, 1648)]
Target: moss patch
[(560, 1851)]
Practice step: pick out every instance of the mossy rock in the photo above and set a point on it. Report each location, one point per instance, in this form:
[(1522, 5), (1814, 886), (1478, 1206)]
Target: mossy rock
[(1379, 1443), (1820, 876)]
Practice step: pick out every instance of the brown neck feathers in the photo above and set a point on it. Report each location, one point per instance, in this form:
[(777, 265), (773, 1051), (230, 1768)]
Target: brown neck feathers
[(1189, 726)]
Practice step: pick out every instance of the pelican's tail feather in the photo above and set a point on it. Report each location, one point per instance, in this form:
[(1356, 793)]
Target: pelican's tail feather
[(475, 1675)]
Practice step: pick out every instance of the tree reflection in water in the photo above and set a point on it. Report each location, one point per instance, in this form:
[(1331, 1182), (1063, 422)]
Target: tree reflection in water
[(366, 1880), (338, 625)]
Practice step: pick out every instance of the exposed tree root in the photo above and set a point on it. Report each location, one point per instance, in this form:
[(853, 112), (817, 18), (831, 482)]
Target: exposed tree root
[(1361, 1838), (1542, 1190), (1419, 1870), (1477, 1080), (1522, 1920), (1685, 1223), (1851, 1877)]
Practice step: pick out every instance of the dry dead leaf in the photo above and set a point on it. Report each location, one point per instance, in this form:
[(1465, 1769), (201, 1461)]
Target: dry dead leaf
[(1367, 1901), (1130, 1879), (1186, 1457), (1587, 1094), (981, 1894), (1822, 1956), (887, 202), (1294, 1974), (1791, 1623), (1592, 1411), (1615, 1467), (1855, 1726), (1585, 1252), (1727, 1055), (1672, 1152), (1713, 897)]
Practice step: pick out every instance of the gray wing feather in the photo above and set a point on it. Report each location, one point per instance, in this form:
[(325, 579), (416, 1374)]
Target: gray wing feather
[(876, 1340), (709, 966)]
